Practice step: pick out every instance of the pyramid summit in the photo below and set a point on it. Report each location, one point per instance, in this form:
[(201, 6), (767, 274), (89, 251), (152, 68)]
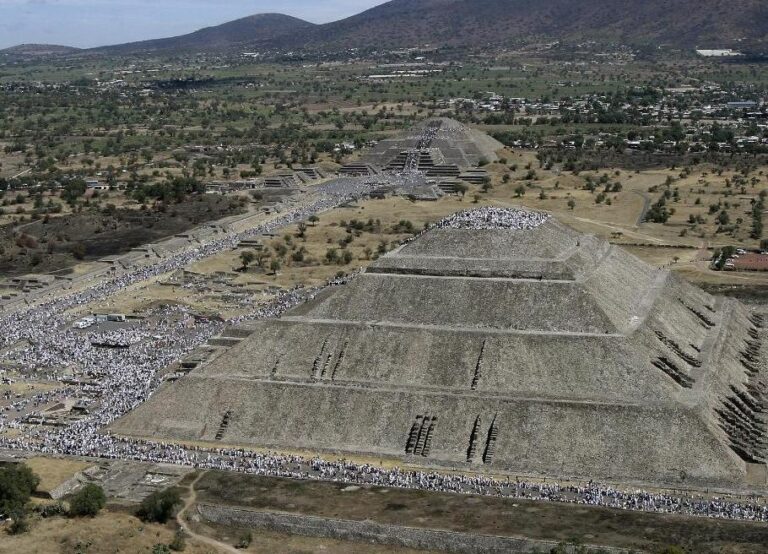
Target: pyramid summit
[(502, 341)]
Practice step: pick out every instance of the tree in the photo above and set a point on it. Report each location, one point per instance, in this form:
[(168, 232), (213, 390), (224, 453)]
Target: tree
[(313, 219), (302, 230), (261, 257), (571, 203), (158, 507), (17, 483), (332, 256), (246, 258), (87, 501), (73, 190), (519, 191), (275, 266)]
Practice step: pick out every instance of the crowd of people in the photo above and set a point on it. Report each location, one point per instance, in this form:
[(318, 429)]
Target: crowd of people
[(120, 379), (489, 218)]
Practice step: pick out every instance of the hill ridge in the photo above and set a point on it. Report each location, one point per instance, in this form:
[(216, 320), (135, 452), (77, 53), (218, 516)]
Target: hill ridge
[(252, 29), (417, 23), (37, 49)]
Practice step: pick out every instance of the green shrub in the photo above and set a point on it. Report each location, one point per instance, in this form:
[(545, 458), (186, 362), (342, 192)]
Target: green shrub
[(87, 501), (158, 506), (19, 524), (245, 541), (179, 543), (17, 483)]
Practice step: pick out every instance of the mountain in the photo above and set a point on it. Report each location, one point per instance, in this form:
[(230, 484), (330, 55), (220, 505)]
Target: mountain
[(37, 50), (683, 23), (249, 31), (408, 23)]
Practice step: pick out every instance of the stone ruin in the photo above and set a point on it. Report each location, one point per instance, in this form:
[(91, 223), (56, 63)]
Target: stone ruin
[(536, 351), (440, 148)]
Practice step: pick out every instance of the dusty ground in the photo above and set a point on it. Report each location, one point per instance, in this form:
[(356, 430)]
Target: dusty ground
[(328, 232), (538, 520)]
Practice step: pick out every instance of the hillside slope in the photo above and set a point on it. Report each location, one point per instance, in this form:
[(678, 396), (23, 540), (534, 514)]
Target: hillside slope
[(685, 23), (412, 23), (37, 50), (253, 30)]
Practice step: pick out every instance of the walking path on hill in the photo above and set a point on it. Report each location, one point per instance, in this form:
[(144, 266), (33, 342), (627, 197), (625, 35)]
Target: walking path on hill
[(646, 207), (188, 503)]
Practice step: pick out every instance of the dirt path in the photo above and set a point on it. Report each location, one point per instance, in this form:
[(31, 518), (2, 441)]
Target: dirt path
[(189, 502), (646, 207), (22, 173), (624, 230)]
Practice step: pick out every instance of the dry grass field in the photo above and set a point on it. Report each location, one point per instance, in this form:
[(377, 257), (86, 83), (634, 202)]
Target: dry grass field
[(485, 515), (109, 532), (267, 542), (54, 471), (113, 532)]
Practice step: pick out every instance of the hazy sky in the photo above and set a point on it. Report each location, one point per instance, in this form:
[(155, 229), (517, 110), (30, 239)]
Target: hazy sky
[(86, 23)]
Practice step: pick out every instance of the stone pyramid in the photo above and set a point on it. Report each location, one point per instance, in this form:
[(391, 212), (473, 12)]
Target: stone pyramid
[(531, 351)]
